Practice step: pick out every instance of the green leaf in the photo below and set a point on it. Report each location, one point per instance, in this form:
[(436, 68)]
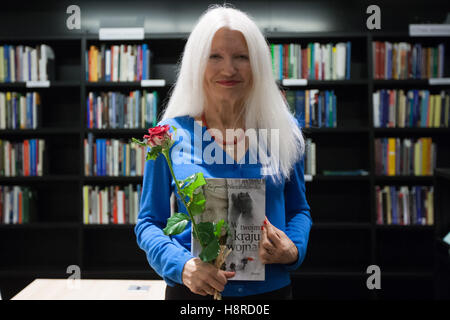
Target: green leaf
[(218, 228), (211, 251), (196, 180), (176, 224), (205, 233), (197, 205), (154, 153), (139, 142)]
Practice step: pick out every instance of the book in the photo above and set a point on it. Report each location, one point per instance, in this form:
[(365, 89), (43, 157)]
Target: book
[(241, 204)]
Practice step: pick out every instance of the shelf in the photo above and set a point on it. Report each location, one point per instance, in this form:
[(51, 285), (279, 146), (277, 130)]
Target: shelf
[(394, 131), (320, 177), (53, 84), (133, 131), (49, 178), (335, 130), (122, 84), (340, 225), (323, 83), (404, 179), (40, 225), (406, 227), (109, 226), (40, 131), (107, 179)]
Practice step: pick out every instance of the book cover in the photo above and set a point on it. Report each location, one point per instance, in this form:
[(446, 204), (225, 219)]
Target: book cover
[(241, 204)]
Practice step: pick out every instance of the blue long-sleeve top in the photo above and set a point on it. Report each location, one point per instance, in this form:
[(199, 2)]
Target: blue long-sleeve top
[(286, 208)]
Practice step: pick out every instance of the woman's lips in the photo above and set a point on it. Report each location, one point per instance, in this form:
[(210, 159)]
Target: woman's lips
[(228, 83)]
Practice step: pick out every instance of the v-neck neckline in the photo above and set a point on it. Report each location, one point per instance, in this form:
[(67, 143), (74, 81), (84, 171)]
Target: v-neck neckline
[(234, 162)]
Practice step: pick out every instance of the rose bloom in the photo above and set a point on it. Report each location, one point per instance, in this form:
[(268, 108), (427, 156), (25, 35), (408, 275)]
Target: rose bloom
[(158, 135)]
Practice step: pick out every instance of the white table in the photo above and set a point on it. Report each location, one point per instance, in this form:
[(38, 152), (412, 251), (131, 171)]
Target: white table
[(87, 289)]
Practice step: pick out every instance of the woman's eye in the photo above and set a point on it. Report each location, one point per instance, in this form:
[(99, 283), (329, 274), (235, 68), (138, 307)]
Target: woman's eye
[(243, 57), (214, 56)]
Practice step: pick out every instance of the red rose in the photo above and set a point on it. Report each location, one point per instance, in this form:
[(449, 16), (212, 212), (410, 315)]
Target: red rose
[(158, 135)]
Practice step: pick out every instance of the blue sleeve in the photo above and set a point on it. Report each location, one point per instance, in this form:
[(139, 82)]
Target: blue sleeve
[(164, 254), (298, 217)]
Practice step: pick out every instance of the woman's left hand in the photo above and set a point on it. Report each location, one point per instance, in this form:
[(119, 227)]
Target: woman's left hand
[(275, 246)]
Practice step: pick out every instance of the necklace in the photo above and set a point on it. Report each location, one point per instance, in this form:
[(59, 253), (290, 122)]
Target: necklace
[(225, 143)]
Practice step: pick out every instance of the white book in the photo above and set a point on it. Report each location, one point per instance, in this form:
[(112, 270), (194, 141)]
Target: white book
[(25, 64), (376, 109), (313, 158), (35, 110), (104, 206), (299, 61), (120, 212), (12, 64), (2, 110), (47, 54), (138, 161), (34, 66), (40, 164), (115, 61), (7, 158), (122, 69), (7, 209), (15, 204), (340, 60), (108, 64)]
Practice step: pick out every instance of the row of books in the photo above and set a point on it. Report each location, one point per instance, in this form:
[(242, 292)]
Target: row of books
[(415, 108), (396, 156), (17, 204), (20, 63), (310, 157), (116, 110), (313, 108), (19, 110), (405, 205), (403, 60), (315, 61), (22, 158), (111, 205), (118, 62), (113, 157)]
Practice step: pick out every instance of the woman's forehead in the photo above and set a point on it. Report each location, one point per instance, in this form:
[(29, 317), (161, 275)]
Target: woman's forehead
[(225, 37)]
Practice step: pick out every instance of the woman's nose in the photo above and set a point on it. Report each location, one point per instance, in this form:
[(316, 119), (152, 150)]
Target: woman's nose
[(229, 67)]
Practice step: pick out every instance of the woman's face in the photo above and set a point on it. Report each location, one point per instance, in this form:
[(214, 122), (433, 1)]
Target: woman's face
[(228, 74)]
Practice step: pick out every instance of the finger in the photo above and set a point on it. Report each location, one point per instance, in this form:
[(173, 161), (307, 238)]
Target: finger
[(217, 283), (229, 274), (272, 233)]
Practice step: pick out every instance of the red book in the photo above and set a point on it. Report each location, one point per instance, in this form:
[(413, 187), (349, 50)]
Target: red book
[(382, 60), (26, 157), (376, 57), (115, 218), (285, 61)]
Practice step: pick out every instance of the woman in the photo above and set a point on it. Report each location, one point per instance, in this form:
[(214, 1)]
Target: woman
[(226, 82)]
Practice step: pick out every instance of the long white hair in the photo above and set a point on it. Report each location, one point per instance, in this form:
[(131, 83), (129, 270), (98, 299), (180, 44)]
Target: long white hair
[(265, 108)]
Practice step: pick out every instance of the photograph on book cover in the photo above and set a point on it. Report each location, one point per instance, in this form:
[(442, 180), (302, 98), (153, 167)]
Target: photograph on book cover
[(241, 204)]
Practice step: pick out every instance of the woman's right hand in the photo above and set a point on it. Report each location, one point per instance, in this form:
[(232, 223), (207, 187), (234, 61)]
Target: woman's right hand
[(203, 278)]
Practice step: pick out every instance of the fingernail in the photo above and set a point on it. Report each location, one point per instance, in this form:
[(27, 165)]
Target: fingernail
[(265, 221), (262, 227)]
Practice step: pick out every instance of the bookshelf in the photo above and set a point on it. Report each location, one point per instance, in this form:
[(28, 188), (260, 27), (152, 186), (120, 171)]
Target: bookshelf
[(344, 240)]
